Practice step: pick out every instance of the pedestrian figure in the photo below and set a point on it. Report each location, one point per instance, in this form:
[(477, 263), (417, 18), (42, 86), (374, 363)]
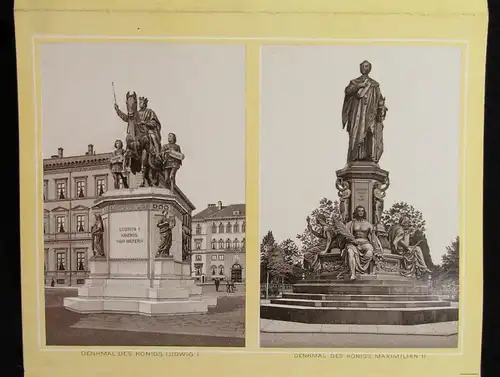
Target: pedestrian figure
[(228, 287), (217, 283), (232, 286), (52, 283)]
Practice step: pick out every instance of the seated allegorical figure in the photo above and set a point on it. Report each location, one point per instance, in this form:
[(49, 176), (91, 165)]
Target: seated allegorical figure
[(356, 239), (413, 263), (363, 245)]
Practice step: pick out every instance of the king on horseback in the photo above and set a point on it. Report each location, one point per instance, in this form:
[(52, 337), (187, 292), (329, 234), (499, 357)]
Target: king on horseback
[(143, 140)]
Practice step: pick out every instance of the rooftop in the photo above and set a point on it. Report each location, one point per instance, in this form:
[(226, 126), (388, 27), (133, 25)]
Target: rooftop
[(213, 212), (59, 161)]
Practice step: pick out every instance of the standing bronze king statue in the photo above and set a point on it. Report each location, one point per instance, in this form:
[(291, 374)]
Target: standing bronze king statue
[(363, 114)]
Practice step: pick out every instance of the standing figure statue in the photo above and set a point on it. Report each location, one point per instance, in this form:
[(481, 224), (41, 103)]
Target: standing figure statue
[(345, 196), (379, 190), (363, 113), (413, 263), (97, 232), (118, 165), (142, 140), (172, 160), (165, 225)]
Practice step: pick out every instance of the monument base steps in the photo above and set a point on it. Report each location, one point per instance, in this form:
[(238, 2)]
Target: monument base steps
[(369, 300), (135, 306)]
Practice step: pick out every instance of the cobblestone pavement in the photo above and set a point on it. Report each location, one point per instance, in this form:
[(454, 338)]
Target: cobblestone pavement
[(222, 326), (308, 340)]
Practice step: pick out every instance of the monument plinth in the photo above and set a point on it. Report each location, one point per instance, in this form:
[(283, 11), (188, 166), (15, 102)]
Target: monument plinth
[(132, 276)]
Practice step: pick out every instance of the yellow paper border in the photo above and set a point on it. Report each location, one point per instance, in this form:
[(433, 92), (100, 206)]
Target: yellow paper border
[(253, 30)]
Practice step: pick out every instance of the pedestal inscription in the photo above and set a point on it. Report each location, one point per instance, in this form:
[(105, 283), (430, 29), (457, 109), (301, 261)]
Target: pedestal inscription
[(128, 234)]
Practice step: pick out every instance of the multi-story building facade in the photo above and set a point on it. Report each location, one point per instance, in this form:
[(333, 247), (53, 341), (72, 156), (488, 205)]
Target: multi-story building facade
[(218, 243), (70, 186)]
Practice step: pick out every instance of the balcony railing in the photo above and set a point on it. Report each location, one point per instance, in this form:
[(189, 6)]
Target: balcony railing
[(66, 236)]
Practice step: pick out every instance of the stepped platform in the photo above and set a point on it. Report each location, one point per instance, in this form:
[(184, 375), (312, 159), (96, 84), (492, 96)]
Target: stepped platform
[(379, 299)]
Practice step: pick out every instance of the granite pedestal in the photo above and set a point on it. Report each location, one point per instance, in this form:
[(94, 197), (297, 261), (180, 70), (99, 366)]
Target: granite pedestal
[(131, 278)]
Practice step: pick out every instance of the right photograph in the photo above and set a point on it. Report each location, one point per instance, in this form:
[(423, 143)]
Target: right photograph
[(360, 195)]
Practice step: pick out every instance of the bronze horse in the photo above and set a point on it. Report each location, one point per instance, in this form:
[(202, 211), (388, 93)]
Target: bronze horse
[(139, 151)]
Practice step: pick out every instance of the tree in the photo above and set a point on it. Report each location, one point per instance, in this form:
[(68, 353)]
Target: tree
[(268, 242), (328, 208), (393, 214), (291, 252), (450, 260)]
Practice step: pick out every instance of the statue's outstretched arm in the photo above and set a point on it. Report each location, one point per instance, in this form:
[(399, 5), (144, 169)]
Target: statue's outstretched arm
[(121, 114)]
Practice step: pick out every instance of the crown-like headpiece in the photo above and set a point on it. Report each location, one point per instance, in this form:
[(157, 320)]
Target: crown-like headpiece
[(143, 99)]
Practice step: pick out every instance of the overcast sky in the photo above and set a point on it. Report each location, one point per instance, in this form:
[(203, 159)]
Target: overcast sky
[(197, 91), (303, 144)]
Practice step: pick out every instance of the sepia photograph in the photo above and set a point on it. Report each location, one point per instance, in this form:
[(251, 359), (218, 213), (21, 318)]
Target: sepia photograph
[(144, 193), (359, 196)]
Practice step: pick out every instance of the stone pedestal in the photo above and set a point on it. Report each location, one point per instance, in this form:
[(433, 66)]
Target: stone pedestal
[(131, 279), (362, 177)]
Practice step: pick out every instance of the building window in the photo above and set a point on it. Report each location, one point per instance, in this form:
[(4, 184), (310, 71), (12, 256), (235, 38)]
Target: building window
[(228, 243), (221, 244), (80, 223), (46, 259), (80, 189), (120, 182), (61, 190), (214, 257), (45, 190), (45, 224), (197, 268), (236, 273), (80, 281), (236, 244), (243, 227), (214, 228), (198, 245), (101, 186), (221, 270), (236, 228), (243, 243), (228, 228), (61, 261), (198, 257), (221, 228), (214, 270), (220, 257), (61, 281), (80, 260), (61, 224), (198, 229), (214, 244)]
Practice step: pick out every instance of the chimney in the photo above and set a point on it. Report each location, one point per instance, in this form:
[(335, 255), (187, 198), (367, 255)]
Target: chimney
[(60, 152), (219, 204), (90, 149)]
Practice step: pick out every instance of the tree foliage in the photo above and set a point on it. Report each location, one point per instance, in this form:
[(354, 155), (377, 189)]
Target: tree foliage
[(393, 214), (450, 260), (326, 207), (292, 254)]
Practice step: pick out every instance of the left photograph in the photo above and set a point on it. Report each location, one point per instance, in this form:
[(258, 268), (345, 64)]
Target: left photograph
[(144, 193)]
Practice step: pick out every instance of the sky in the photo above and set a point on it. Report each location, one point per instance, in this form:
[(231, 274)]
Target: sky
[(302, 142), (197, 92)]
